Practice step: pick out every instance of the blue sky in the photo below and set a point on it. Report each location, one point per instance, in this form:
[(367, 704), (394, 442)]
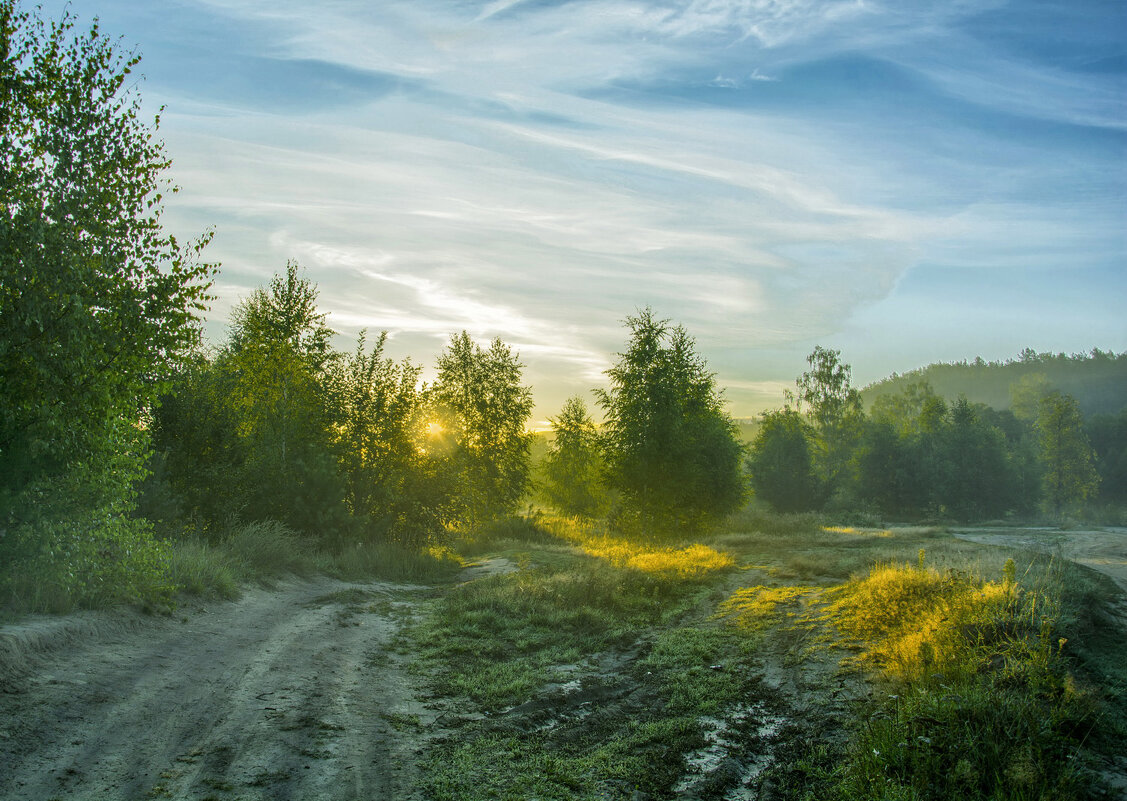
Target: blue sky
[(906, 181)]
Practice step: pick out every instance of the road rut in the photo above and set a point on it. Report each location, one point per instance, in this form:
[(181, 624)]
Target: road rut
[(286, 693)]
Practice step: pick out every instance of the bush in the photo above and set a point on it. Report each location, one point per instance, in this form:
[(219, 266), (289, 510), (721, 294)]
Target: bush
[(268, 548), (89, 560)]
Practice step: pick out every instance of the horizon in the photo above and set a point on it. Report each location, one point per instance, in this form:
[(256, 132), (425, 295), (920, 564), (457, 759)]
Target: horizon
[(903, 183)]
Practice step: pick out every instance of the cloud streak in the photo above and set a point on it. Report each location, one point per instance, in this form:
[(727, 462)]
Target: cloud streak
[(767, 172)]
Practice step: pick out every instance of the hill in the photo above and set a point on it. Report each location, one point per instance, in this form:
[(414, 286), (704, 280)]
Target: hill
[(1098, 380)]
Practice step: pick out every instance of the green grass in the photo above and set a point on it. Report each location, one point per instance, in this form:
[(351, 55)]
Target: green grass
[(200, 569), (506, 640), (982, 687), (495, 639)]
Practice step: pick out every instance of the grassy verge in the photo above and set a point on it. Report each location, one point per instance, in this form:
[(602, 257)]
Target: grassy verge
[(265, 551), (978, 692)]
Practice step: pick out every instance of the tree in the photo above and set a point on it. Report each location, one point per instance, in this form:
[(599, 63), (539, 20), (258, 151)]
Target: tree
[(483, 410), (1070, 475), (195, 436), (893, 470), (573, 466), (834, 408), (903, 410), (97, 303), (281, 364), (670, 448), (782, 472), (380, 439), (977, 480), (1108, 435)]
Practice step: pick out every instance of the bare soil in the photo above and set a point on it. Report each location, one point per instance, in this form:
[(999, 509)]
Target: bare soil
[(287, 693), (1103, 550)]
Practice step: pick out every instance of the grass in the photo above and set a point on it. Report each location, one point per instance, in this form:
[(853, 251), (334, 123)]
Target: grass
[(978, 698), (262, 552), (623, 622), (496, 639), (983, 675)]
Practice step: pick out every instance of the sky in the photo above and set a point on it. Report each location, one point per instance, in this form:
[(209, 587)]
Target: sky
[(907, 182)]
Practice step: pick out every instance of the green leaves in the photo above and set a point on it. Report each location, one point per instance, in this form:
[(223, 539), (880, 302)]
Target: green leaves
[(97, 304), (482, 405), (1070, 475), (573, 466), (670, 448)]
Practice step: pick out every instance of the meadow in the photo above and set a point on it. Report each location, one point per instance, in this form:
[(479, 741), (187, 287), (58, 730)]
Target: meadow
[(777, 657)]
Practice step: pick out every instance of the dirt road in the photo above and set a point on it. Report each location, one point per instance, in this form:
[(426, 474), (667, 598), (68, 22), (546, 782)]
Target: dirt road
[(287, 693), (1104, 550)]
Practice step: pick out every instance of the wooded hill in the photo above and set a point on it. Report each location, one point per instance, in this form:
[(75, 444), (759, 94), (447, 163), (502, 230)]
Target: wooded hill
[(1098, 380)]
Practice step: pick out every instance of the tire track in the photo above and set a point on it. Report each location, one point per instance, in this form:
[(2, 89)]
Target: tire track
[(283, 694)]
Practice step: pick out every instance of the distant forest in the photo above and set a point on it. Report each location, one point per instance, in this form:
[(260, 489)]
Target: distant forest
[(1097, 380), (1043, 435)]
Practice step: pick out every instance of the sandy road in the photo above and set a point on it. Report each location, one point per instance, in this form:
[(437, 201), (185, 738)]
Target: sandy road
[(287, 693), (1104, 550)]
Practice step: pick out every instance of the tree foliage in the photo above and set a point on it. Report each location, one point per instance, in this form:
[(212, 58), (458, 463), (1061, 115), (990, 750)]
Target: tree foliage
[(670, 449), (1070, 475), (834, 409), (573, 466), (781, 468), (483, 409), (392, 484), (98, 303)]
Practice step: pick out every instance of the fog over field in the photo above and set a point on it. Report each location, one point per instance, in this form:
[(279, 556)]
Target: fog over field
[(906, 182)]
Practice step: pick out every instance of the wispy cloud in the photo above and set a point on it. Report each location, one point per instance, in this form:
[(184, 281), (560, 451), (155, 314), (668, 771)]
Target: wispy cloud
[(765, 171)]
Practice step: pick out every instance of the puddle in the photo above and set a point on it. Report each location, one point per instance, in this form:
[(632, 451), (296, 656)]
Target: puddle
[(721, 753)]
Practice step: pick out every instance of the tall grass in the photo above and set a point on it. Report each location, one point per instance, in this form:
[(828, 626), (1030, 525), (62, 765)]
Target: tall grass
[(264, 551), (979, 701), (366, 560)]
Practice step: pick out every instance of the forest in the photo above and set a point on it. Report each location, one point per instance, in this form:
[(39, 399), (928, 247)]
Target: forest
[(636, 604)]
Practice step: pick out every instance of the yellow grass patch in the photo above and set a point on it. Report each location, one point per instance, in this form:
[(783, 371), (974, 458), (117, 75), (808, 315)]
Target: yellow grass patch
[(752, 607), (914, 622), (863, 532), (692, 560)]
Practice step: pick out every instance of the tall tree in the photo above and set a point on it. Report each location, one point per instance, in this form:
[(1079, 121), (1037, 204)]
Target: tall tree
[(97, 302), (573, 466), (1070, 475), (670, 448), (483, 409), (279, 357), (834, 409)]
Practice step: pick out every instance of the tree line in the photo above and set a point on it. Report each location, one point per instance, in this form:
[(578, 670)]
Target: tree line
[(276, 425), (915, 454)]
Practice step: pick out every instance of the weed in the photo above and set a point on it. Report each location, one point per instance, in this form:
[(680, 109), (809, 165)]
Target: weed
[(198, 568)]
